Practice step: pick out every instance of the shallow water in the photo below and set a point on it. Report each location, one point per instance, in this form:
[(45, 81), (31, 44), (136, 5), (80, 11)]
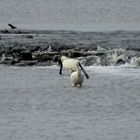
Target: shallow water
[(38, 103)]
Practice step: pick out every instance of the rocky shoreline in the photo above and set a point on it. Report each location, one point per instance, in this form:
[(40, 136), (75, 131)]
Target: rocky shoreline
[(37, 47)]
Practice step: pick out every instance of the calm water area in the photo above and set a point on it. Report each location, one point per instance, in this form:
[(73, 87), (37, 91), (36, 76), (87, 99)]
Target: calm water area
[(38, 103)]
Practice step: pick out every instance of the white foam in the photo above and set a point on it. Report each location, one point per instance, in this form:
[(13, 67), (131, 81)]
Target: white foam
[(44, 67), (126, 69)]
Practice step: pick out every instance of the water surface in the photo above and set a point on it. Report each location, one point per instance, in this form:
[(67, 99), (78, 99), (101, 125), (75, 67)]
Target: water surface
[(38, 103)]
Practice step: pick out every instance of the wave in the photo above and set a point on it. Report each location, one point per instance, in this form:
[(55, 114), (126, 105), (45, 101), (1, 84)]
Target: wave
[(114, 57), (123, 70)]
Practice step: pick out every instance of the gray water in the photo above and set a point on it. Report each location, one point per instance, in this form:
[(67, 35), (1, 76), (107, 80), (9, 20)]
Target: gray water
[(36, 103), (87, 15)]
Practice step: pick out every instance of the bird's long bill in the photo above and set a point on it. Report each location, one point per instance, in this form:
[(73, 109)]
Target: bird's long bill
[(87, 76)]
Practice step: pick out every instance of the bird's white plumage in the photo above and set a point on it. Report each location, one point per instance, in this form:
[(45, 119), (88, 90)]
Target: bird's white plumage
[(77, 77), (69, 63)]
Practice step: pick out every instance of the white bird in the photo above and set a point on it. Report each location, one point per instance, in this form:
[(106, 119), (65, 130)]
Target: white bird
[(70, 64), (77, 77)]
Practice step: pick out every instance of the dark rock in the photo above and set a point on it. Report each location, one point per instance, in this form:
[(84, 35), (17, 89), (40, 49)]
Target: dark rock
[(42, 57), (74, 54), (18, 50), (5, 31), (100, 54), (29, 36), (26, 55), (120, 62)]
